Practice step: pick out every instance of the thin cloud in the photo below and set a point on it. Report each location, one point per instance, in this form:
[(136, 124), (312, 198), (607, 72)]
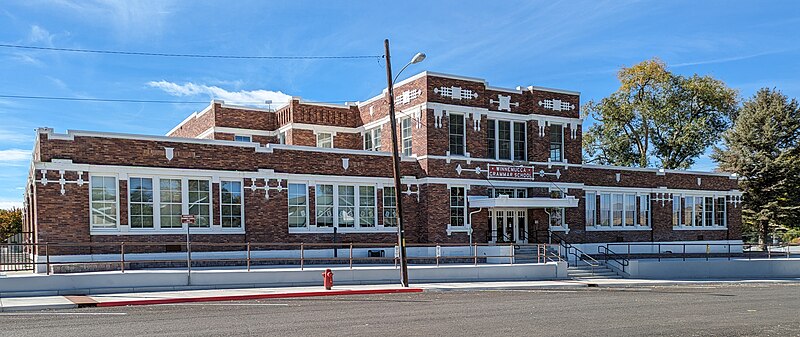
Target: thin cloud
[(14, 137), (9, 204), (245, 97), (12, 155), (725, 59), (130, 19), (40, 35)]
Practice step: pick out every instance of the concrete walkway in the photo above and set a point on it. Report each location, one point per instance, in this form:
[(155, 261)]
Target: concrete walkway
[(168, 297)]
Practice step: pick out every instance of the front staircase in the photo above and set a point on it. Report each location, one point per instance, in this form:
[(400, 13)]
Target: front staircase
[(586, 271)]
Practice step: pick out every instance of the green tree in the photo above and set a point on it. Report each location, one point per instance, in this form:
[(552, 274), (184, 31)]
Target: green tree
[(657, 114), (10, 222), (762, 147)]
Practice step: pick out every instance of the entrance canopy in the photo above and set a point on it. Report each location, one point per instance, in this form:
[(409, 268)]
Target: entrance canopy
[(503, 201)]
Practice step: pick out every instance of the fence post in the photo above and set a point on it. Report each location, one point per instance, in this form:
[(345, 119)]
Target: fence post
[(475, 252), (302, 255), (511, 253), (684, 252), (351, 255), (438, 252), (248, 255), (47, 256), (122, 253)]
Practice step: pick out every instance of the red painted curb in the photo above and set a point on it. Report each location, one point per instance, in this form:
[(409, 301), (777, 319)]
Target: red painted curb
[(258, 296)]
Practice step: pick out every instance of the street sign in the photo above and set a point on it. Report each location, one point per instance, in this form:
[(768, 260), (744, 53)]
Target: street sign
[(510, 172), (187, 219)]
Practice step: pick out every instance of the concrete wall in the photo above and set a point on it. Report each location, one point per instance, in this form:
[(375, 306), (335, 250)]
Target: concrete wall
[(106, 282), (714, 269)]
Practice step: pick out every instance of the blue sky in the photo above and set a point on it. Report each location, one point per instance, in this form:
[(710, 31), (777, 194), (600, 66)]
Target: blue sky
[(575, 45)]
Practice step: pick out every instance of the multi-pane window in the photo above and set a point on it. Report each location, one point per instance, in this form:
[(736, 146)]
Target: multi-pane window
[(510, 192), (719, 209), (709, 212), (231, 204), (103, 202), (591, 210), (324, 140), (617, 209), (506, 140), (372, 139), (347, 206), (246, 139), (676, 210), (298, 206), (367, 207), (457, 206), (491, 148), (556, 142), (556, 215), (200, 202), (324, 205), (405, 134), (141, 199), (389, 207), (456, 133), (630, 209), (644, 210), (699, 211), (282, 137), (171, 202), (605, 209), (688, 211), (519, 141)]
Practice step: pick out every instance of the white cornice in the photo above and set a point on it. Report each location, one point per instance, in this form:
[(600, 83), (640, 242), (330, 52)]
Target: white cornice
[(559, 91)]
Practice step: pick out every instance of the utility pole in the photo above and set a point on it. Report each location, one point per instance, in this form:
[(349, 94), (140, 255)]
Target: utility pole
[(401, 240)]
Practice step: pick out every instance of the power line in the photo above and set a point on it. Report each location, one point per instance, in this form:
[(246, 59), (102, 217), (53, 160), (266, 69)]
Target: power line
[(124, 100), (134, 53)]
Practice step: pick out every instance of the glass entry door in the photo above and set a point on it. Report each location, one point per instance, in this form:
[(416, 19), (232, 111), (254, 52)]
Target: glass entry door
[(508, 225)]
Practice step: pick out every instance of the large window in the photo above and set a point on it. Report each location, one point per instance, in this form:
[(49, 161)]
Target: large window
[(141, 199), (324, 140), (200, 202), (231, 204), (719, 209), (372, 139), (246, 139), (103, 202), (171, 206), (556, 142), (457, 206), (456, 131), (389, 207), (405, 134), (298, 205), (622, 210), (506, 140), (324, 205), (347, 206), (699, 211), (591, 210), (367, 206)]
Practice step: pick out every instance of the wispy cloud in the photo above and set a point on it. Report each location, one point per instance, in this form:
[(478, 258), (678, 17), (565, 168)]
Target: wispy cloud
[(130, 19), (14, 155), (7, 136), (8, 204), (39, 35), (245, 97), (726, 59)]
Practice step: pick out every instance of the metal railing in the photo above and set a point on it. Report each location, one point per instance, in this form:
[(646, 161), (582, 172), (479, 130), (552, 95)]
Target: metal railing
[(649, 250), (123, 256), (15, 254), (578, 254)]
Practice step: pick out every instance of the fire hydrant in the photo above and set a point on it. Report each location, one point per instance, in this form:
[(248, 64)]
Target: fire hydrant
[(327, 279)]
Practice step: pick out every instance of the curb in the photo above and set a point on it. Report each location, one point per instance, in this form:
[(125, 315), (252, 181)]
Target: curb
[(257, 296)]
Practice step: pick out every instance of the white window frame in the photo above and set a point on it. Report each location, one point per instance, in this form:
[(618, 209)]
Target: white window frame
[(549, 143), (563, 226), (288, 204), (357, 228), (590, 198), (701, 226), (154, 204), (406, 151), (467, 228), (221, 203), (383, 206), (325, 143), (372, 133), (92, 225), (241, 138), (512, 126), (626, 207), (463, 133)]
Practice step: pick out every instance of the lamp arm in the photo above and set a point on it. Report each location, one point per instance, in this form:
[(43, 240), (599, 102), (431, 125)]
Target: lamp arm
[(400, 72)]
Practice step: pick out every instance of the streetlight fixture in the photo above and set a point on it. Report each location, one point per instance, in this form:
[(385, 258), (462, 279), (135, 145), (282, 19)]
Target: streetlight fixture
[(401, 241)]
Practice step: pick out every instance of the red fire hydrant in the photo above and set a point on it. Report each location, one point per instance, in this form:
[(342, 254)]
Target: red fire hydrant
[(327, 279)]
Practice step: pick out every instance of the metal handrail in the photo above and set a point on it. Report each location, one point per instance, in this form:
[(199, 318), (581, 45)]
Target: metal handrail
[(615, 257), (579, 254)]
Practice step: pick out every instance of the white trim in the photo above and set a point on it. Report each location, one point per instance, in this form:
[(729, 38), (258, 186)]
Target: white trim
[(241, 191), (118, 223), (559, 91), (193, 116), (504, 201)]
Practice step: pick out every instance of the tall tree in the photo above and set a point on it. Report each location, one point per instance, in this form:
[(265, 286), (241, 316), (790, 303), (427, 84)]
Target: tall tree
[(657, 114), (762, 147), (10, 222)]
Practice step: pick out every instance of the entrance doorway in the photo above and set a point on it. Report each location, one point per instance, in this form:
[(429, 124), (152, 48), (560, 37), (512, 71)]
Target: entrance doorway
[(508, 225)]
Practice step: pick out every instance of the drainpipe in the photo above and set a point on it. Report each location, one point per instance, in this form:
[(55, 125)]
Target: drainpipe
[(470, 225)]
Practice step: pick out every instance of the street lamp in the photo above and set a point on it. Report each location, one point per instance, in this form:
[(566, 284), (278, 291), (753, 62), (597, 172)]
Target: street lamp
[(401, 241)]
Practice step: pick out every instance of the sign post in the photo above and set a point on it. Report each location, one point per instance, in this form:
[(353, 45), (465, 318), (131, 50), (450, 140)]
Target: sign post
[(188, 220)]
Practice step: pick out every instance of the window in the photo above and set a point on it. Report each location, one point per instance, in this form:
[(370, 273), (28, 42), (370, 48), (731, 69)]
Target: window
[(389, 207), (103, 202), (556, 142), (591, 211), (504, 139), (605, 209), (372, 139), (200, 202), (708, 212), (141, 202), (324, 140), (491, 149), (698, 211), (405, 134), (298, 205), (556, 215), (231, 204), (457, 130), (324, 205), (246, 139), (519, 141), (171, 205), (510, 192), (688, 211), (676, 210), (282, 137), (617, 206), (719, 208), (347, 206), (644, 210), (366, 206), (630, 209), (457, 206)]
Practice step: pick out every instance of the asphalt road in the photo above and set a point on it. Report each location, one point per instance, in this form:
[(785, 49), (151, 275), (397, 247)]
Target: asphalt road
[(703, 310)]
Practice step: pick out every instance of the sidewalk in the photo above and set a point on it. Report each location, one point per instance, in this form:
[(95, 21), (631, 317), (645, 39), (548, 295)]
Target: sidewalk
[(167, 297)]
